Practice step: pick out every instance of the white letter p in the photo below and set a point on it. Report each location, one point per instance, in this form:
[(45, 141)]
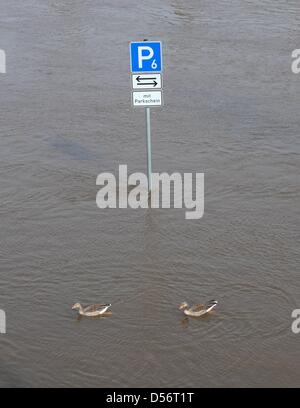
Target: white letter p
[(142, 57)]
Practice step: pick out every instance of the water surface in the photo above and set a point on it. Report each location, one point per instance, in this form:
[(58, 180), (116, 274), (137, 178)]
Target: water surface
[(232, 112)]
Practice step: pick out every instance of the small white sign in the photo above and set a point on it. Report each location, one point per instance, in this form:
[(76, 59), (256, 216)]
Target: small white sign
[(146, 81), (150, 98)]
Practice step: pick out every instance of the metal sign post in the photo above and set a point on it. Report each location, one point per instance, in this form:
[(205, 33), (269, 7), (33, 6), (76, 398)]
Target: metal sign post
[(149, 153), (146, 81)]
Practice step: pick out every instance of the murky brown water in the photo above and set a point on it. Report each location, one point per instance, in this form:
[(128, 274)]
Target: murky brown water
[(232, 112)]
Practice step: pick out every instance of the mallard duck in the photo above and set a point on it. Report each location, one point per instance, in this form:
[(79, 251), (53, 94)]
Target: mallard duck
[(198, 310), (92, 310)]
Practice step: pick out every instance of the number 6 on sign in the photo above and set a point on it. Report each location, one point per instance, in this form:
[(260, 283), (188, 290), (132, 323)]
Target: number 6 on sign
[(145, 56)]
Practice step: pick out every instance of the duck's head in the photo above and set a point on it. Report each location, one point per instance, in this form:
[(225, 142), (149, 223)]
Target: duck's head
[(212, 303), (77, 306), (183, 306)]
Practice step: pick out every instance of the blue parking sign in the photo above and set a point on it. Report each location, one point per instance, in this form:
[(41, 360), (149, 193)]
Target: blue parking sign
[(146, 56)]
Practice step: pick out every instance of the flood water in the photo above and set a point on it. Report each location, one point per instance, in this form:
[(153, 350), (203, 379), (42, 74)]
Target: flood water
[(231, 111)]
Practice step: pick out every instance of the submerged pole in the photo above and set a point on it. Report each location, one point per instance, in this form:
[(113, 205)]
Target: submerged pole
[(149, 154)]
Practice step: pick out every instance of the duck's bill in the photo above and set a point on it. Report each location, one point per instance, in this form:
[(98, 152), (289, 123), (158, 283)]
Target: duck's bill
[(211, 307)]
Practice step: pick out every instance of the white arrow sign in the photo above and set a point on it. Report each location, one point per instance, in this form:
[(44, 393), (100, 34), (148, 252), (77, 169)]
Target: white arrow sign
[(146, 81)]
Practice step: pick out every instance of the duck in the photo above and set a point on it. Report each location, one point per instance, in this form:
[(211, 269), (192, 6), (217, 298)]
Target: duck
[(92, 310), (198, 310)]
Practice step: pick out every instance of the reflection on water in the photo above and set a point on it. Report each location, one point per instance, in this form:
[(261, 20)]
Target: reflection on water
[(231, 111)]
